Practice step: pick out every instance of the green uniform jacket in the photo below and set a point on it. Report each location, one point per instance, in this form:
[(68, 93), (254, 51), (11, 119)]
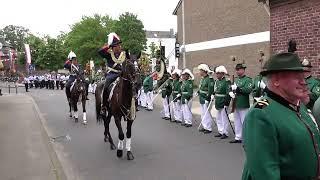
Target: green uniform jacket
[(256, 90), (243, 91), (176, 89), (148, 84), (277, 142), (314, 87), (221, 90), (186, 90), (166, 89), (205, 89)]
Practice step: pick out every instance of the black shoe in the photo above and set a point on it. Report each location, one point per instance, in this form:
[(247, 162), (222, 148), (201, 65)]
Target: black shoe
[(183, 124), (166, 118), (163, 118), (188, 125), (207, 131), (178, 122), (149, 109), (137, 109), (172, 121), (235, 141), (218, 135), (224, 136), (87, 99), (202, 130)]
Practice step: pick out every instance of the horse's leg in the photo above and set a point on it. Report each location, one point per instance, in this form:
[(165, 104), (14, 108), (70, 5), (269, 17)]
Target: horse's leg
[(75, 109), (84, 110), (70, 107), (120, 136), (128, 140), (107, 134)]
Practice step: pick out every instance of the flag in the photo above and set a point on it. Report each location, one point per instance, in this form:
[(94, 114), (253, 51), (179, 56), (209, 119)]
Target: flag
[(28, 54)]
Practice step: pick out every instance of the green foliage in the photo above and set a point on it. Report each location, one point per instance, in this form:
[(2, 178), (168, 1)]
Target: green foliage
[(130, 30), (85, 39), (87, 36), (153, 47), (15, 36)]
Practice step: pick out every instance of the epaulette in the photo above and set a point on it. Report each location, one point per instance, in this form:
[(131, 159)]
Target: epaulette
[(262, 104)]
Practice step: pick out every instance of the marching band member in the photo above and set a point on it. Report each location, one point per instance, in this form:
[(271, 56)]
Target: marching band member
[(221, 90), (186, 97), (205, 92), (148, 90), (241, 90), (176, 95)]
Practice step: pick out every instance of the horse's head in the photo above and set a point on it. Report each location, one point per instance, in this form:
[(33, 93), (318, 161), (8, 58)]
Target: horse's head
[(128, 71)]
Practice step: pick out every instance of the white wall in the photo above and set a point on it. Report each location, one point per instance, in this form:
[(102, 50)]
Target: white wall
[(169, 44)]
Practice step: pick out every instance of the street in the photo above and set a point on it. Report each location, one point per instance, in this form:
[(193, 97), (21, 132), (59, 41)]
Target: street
[(162, 150)]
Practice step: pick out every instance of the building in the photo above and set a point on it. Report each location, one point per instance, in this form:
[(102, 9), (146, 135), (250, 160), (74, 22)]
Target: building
[(298, 20), (210, 31), (167, 39), (8, 56)]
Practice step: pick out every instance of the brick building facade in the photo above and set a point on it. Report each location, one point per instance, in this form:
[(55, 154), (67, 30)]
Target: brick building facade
[(210, 31), (299, 20)]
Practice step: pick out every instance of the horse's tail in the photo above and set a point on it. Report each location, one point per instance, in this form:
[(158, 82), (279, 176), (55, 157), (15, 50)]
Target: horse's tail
[(98, 94)]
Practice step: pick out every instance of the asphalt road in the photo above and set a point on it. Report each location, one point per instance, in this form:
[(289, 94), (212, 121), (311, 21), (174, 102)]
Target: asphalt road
[(162, 150)]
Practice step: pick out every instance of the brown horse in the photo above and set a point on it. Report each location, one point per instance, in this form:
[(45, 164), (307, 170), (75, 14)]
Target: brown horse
[(120, 105)]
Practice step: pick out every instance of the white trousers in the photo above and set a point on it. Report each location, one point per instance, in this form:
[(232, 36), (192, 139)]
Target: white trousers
[(186, 112), (166, 112), (90, 88), (239, 115), (143, 98), (149, 97), (222, 121), (177, 112), (206, 118)]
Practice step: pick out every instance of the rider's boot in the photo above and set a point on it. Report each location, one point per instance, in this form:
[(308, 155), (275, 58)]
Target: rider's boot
[(105, 97)]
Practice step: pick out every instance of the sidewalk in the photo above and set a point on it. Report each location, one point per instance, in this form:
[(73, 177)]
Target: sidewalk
[(25, 151)]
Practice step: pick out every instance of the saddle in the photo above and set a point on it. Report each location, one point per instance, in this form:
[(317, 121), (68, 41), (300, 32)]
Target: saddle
[(110, 89)]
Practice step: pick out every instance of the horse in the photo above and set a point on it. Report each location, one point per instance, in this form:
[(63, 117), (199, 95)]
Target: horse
[(120, 105), (77, 94)]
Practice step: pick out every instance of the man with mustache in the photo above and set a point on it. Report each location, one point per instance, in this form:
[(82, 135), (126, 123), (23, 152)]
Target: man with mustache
[(281, 139)]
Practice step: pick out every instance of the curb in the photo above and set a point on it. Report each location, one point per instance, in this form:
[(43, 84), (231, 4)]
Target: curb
[(55, 162)]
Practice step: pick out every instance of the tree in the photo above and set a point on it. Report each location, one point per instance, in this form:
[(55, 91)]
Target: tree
[(52, 54), (15, 36), (87, 36), (153, 49), (130, 30)]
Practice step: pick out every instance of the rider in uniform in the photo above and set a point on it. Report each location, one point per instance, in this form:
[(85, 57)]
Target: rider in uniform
[(72, 65), (114, 56)]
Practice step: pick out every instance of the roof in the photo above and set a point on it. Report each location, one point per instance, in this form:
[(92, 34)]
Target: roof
[(160, 34), (177, 7)]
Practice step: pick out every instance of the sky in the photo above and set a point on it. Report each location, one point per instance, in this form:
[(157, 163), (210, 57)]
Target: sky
[(53, 16)]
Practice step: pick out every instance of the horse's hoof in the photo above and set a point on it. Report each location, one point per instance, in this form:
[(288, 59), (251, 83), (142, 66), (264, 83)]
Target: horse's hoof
[(130, 155), (76, 120), (113, 147), (119, 153)]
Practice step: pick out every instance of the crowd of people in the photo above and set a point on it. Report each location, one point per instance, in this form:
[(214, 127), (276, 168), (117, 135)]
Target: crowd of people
[(216, 90)]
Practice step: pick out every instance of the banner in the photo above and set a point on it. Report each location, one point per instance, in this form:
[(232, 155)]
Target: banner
[(28, 54)]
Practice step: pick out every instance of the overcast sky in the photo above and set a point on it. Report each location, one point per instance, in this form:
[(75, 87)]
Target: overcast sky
[(52, 16)]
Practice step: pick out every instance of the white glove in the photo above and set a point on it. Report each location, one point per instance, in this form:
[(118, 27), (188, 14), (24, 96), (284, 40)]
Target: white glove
[(206, 102), (232, 95), (160, 90), (178, 101), (262, 85), (226, 107), (234, 87), (195, 94), (178, 95), (212, 96), (186, 101)]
